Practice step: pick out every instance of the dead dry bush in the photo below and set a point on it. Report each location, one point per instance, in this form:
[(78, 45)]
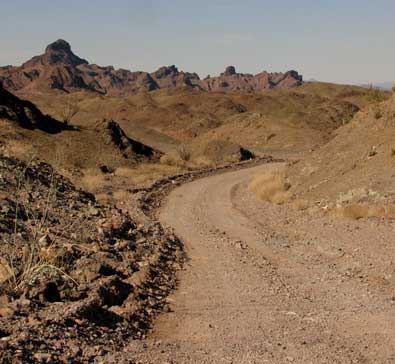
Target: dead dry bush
[(69, 110), (184, 153), (271, 185)]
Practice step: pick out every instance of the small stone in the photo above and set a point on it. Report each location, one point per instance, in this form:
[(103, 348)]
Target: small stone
[(43, 357), (6, 311)]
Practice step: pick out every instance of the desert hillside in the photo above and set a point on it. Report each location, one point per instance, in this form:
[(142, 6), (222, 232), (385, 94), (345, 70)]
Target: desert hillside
[(300, 118), (357, 166)]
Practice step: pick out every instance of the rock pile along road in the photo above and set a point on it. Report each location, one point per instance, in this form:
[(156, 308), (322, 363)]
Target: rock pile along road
[(266, 284)]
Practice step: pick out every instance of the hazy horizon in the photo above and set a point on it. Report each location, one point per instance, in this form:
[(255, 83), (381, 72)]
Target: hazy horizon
[(334, 42)]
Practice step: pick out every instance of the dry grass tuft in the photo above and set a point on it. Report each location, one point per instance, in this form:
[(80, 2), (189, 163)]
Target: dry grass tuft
[(93, 180), (357, 211), (41, 256), (144, 173), (196, 163), (125, 172), (202, 162), (122, 196), (271, 185), (172, 160)]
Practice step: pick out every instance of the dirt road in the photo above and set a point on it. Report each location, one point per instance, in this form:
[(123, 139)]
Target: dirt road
[(265, 284)]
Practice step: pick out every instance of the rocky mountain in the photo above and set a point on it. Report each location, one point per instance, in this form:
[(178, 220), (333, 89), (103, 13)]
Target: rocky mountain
[(60, 69), (230, 80)]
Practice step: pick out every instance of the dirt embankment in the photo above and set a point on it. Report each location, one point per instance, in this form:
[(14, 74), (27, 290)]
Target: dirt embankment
[(356, 167)]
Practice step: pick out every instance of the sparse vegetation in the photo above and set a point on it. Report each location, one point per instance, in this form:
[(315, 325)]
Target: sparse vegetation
[(357, 211), (376, 95), (173, 160), (378, 114), (41, 254), (93, 180), (184, 153), (69, 110)]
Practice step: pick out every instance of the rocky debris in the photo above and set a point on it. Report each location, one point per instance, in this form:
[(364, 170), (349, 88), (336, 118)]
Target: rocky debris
[(130, 149), (26, 114), (97, 277), (60, 69)]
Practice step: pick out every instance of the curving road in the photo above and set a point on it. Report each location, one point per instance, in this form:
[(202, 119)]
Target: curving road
[(265, 284)]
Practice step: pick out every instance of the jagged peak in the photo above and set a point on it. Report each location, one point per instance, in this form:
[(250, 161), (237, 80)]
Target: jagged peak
[(230, 71), (59, 45), (60, 51)]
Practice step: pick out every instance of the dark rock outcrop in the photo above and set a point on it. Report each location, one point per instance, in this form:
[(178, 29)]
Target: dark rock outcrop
[(130, 149), (26, 114)]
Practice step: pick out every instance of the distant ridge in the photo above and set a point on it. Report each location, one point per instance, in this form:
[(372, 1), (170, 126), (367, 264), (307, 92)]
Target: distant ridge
[(381, 85), (58, 68)]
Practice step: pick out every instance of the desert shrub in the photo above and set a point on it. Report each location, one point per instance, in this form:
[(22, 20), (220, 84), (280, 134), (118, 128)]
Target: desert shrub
[(376, 95), (40, 256), (172, 160), (69, 110), (271, 185), (184, 153), (146, 172), (125, 172), (378, 114), (202, 162), (92, 180), (122, 195)]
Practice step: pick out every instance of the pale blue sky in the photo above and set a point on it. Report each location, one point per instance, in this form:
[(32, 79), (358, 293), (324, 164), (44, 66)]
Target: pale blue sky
[(348, 41)]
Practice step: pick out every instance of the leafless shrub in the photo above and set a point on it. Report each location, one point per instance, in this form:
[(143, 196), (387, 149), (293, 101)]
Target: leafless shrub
[(184, 153), (70, 110)]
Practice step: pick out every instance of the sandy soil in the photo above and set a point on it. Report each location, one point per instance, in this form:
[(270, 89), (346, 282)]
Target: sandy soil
[(265, 284)]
